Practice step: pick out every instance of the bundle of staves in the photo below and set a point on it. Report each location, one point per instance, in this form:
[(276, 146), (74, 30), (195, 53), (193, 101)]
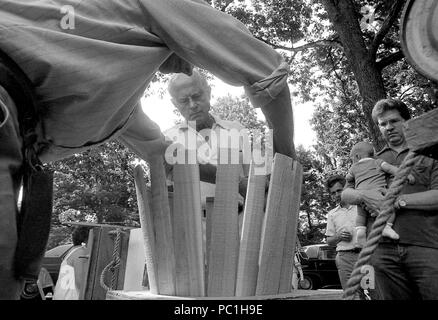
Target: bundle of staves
[(259, 261)]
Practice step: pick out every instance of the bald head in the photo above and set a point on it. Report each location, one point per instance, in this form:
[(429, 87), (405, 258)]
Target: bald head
[(361, 150), (182, 80), (191, 96)]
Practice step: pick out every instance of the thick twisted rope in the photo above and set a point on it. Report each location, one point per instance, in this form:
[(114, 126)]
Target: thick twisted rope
[(353, 284), (113, 265)]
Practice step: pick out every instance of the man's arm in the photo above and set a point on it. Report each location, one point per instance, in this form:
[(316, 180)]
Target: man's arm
[(333, 240), (338, 237), (427, 201), (143, 136), (279, 116), (352, 196), (388, 168), (349, 179), (218, 42), (392, 170), (371, 200)]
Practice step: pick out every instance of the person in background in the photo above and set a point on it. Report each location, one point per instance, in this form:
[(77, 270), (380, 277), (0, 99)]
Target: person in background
[(405, 268), (368, 173), (72, 272), (340, 230)]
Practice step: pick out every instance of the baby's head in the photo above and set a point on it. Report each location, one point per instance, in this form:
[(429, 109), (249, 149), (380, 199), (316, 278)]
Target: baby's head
[(361, 150)]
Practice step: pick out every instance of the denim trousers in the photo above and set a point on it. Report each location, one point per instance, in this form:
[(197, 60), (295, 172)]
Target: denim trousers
[(345, 261), (10, 180), (406, 272)]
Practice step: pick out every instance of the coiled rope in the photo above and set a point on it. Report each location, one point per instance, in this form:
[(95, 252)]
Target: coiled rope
[(113, 265), (353, 284)]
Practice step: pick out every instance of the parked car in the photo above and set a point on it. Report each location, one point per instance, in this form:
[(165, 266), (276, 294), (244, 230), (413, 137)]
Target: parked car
[(53, 258), (319, 267), (51, 262)]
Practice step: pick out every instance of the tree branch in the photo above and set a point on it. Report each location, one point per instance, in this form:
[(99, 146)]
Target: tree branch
[(405, 91), (319, 43), (221, 6), (387, 24), (388, 60)]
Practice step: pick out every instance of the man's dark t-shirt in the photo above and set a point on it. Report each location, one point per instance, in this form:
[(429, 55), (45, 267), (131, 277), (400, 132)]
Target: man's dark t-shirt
[(415, 227)]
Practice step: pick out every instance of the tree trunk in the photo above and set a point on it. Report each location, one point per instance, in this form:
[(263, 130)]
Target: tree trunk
[(343, 16)]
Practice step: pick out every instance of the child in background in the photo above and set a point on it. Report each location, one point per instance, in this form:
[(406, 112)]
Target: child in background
[(368, 173)]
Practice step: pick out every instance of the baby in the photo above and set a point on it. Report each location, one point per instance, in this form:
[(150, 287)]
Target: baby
[(368, 173)]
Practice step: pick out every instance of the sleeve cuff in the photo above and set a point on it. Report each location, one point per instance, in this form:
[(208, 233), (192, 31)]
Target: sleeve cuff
[(265, 90)]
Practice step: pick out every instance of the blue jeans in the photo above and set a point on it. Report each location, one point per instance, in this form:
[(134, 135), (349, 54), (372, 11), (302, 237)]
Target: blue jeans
[(406, 272), (345, 262)]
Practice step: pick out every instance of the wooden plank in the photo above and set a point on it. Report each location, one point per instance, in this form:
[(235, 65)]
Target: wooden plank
[(223, 255), (135, 261), (422, 134), (104, 257), (291, 229), (123, 256), (93, 275), (87, 279), (209, 205), (147, 227), (274, 228), (90, 224), (101, 246), (163, 228), (248, 267), (188, 231), (295, 295)]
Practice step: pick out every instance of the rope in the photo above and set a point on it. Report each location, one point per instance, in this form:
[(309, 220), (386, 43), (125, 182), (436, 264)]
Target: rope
[(353, 284), (113, 265)]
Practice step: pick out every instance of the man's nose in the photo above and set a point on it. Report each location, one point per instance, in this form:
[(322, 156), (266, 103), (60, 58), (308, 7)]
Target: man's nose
[(192, 104), (389, 126)]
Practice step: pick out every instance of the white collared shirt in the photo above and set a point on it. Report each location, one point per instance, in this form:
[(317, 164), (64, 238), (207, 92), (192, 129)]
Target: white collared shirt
[(207, 148), (342, 219)]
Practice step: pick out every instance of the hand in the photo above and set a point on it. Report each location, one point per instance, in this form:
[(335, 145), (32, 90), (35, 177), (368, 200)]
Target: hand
[(411, 179), (157, 148), (344, 236)]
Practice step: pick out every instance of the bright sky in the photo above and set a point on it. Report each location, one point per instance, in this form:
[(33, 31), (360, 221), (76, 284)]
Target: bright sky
[(160, 110)]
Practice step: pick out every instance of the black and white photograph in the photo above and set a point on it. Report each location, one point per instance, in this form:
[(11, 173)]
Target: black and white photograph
[(219, 158)]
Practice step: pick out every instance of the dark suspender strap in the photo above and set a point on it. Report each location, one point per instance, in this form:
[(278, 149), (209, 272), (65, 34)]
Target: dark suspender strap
[(19, 87), (33, 221)]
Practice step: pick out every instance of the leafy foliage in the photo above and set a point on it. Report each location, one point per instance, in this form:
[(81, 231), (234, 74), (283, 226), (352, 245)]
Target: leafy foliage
[(238, 109), (343, 57), (95, 186)]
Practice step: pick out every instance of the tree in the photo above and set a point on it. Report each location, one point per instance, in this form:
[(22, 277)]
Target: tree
[(315, 200), (238, 109), (95, 186), (347, 51)]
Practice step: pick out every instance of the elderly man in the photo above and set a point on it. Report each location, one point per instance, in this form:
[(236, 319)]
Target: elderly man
[(191, 96), (340, 230), (406, 268), (86, 66)]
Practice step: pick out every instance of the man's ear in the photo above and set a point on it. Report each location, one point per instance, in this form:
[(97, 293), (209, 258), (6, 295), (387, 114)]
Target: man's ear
[(208, 91)]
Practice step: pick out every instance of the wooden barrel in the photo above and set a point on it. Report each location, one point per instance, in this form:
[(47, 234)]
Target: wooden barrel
[(295, 295), (419, 36)]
